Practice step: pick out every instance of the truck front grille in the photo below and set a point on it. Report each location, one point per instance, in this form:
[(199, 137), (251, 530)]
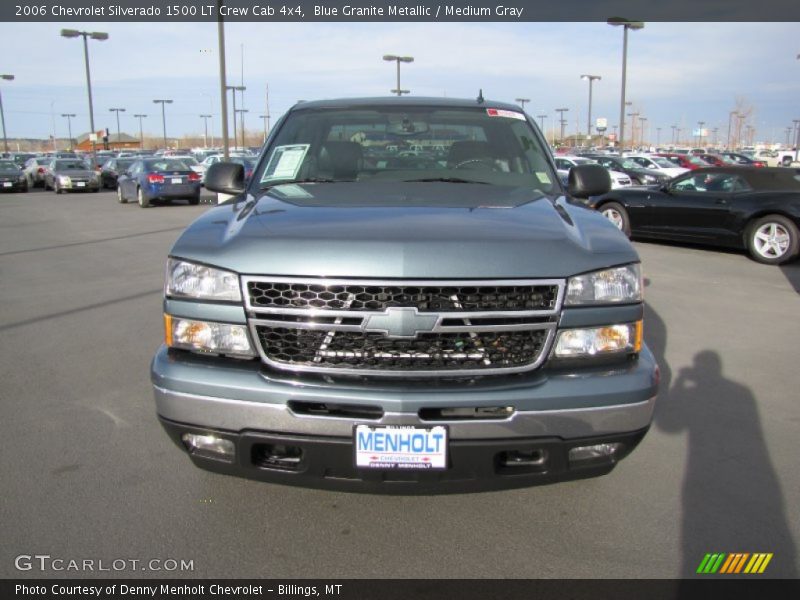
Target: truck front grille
[(398, 328)]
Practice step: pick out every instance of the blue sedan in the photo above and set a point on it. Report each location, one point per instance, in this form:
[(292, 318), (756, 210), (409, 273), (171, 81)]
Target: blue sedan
[(153, 179)]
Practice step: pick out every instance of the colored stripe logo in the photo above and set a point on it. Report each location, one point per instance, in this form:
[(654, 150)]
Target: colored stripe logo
[(735, 563)]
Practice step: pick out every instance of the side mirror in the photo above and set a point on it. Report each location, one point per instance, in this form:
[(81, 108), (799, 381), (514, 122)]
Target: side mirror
[(588, 180), (225, 178)]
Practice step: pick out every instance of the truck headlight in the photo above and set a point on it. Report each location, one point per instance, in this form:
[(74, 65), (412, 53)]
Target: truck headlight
[(595, 341), (190, 280), (205, 336), (64, 180), (611, 286)]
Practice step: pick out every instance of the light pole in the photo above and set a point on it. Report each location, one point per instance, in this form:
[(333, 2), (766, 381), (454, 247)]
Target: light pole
[(2, 115), (642, 121), (234, 89), (741, 119), (398, 59), (591, 79), (658, 137), (522, 102), (626, 25), (69, 126), (700, 132), (674, 128), (241, 112), (163, 117), (541, 122), (797, 136), (561, 120), (264, 118), (633, 128), (141, 136), (205, 129), (223, 94), (100, 36), (117, 110)]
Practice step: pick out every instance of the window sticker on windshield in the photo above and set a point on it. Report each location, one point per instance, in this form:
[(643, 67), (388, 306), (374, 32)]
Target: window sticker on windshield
[(496, 112), (285, 162), (543, 177), (290, 190)]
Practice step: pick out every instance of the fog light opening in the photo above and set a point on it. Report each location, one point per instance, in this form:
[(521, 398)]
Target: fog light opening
[(603, 452), (523, 458), (209, 446)]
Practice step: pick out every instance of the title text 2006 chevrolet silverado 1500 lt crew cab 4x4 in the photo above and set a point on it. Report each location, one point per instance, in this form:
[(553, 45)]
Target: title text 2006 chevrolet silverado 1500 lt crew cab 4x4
[(403, 299)]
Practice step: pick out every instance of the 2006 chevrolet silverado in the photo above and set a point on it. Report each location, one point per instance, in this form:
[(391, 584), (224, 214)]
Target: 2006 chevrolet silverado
[(403, 298)]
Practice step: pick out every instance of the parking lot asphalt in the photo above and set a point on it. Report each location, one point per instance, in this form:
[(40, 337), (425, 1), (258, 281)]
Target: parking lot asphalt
[(88, 473)]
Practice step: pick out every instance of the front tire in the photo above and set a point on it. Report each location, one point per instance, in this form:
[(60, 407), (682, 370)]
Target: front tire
[(144, 201), (56, 188), (616, 213), (120, 198), (773, 240)]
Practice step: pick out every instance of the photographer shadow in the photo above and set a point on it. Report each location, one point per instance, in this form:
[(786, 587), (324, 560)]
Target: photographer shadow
[(731, 498)]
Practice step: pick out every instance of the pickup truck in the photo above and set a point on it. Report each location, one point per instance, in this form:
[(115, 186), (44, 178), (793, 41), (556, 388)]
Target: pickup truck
[(359, 320)]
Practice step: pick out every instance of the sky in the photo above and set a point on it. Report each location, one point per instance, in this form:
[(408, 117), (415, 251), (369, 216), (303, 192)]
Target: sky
[(678, 73)]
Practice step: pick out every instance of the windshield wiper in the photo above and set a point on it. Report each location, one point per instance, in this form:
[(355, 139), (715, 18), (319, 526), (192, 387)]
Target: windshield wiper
[(444, 180)]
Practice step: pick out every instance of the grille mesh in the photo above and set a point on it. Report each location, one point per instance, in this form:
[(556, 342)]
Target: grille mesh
[(380, 297), (428, 351)]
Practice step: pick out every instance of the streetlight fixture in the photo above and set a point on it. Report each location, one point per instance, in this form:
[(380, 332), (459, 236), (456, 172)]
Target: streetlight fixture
[(591, 79), (398, 59), (234, 89), (69, 117), (163, 117), (562, 121), (522, 102), (2, 115), (626, 25), (141, 136), (117, 110), (100, 36), (205, 129)]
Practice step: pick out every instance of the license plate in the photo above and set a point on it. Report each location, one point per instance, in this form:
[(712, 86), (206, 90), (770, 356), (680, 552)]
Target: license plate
[(400, 447), (176, 180), (7, 184), (80, 184)]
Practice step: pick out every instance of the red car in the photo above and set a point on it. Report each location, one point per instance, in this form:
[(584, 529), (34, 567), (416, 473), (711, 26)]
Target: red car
[(687, 161)]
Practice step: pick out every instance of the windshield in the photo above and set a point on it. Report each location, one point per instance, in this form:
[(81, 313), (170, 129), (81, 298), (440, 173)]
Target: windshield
[(696, 160), (7, 165), (662, 162), (415, 143), (68, 165), (167, 164)]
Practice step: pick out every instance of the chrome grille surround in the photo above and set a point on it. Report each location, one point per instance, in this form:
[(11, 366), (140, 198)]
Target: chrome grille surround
[(393, 339)]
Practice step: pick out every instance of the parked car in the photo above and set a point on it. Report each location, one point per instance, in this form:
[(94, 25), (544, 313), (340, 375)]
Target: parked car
[(775, 158), (735, 158), (737, 207), (12, 177), (686, 161), (164, 178), (565, 163), (111, 169), (638, 174), (355, 324), (657, 163), (71, 174), (35, 169)]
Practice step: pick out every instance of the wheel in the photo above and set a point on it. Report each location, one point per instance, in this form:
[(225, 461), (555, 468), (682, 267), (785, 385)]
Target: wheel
[(194, 200), (56, 188), (120, 198), (787, 161), (773, 240), (144, 201), (616, 213)]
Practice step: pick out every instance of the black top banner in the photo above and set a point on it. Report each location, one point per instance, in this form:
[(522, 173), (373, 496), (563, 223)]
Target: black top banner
[(397, 10)]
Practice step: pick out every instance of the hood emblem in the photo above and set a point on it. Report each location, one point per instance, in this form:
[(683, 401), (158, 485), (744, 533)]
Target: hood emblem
[(400, 323)]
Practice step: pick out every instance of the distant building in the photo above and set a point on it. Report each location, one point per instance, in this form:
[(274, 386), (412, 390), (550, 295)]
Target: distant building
[(123, 142)]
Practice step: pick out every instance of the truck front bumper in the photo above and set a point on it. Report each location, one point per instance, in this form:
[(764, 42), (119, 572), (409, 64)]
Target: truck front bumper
[(551, 414)]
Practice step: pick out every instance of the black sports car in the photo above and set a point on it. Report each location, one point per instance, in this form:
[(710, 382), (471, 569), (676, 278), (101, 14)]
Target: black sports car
[(638, 174), (737, 207)]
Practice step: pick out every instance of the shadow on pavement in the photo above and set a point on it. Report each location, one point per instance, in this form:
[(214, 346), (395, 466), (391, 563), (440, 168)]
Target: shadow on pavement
[(731, 498), (792, 274)]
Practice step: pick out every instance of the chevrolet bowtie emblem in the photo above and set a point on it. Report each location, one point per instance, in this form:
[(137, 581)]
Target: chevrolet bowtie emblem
[(400, 323)]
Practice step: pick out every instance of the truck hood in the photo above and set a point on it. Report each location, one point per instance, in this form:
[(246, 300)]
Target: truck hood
[(403, 230)]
